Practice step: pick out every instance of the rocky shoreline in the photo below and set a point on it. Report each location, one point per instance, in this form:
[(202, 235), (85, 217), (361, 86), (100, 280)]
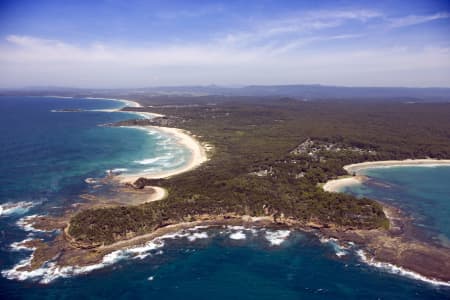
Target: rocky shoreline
[(400, 246), (397, 246)]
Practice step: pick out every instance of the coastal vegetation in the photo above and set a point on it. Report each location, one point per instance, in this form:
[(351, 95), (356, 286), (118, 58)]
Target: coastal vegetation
[(269, 158)]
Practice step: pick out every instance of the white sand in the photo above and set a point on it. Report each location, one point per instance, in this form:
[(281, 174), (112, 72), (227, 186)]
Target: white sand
[(198, 151), (129, 103), (336, 185), (355, 168), (198, 156), (159, 194), (146, 115)]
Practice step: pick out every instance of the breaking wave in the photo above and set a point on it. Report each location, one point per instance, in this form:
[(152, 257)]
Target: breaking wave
[(16, 208), (26, 224), (153, 160), (240, 232), (393, 269), (239, 235), (339, 249), (19, 246), (50, 271), (276, 238)]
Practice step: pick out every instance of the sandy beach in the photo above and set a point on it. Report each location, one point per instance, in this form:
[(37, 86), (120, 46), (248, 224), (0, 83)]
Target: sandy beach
[(146, 115), (158, 194), (198, 151), (355, 168), (336, 185), (198, 156), (128, 103)]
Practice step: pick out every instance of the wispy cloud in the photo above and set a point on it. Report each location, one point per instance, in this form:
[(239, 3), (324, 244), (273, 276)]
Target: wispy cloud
[(296, 44), (297, 24), (31, 60), (415, 20), (191, 13), (31, 49), (325, 46)]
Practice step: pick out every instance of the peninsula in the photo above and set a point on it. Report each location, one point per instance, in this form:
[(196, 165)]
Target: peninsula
[(266, 168)]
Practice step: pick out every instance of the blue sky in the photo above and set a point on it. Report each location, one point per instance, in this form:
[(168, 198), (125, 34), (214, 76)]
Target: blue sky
[(119, 43)]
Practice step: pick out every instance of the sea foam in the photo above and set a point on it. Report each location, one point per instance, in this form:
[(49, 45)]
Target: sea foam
[(239, 235), (19, 246), (240, 232), (14, 208), (50, 271), (276, 238), (153, 160), (26, 224), (197, 235), (339, 249), (391, 268)]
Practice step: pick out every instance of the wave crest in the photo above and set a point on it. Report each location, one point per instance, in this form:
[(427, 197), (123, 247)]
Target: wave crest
[(10, 208), (276, 238), (393, 269), (50, 271)]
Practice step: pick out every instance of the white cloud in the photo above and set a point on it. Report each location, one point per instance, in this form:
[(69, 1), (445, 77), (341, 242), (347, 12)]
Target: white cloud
[(29, 49), (32, 61), (294, 25), (415, 20), (359, 14), (299, 43)]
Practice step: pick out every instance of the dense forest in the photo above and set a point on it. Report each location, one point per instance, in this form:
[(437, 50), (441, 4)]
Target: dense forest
[(269, 159)]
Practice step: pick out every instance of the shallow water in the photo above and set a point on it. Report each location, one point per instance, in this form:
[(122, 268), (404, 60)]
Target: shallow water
[(421, 191), (45, 158)]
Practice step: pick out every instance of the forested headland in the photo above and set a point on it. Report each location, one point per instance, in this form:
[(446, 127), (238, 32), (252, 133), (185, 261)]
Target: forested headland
[(269, 158)]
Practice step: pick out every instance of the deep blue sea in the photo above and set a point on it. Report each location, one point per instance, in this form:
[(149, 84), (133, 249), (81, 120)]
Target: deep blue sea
[(45, 157)]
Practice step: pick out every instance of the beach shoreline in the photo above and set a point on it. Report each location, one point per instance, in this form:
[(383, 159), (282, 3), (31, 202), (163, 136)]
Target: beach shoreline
[(182, 137), (354, 170), (398, 250), (127, 102), (71, 254), (426, 162), (336, 185), (158, 194)]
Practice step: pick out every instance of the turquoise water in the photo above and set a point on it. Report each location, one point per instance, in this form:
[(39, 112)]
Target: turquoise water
[(423, 192), (44, 160), (51, 151)]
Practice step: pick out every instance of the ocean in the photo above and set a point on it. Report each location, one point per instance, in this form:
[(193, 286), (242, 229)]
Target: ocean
[(421, 191), (46, 155)]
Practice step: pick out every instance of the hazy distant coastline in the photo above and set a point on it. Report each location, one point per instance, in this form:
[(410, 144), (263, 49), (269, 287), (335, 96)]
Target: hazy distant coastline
[(304, 92)]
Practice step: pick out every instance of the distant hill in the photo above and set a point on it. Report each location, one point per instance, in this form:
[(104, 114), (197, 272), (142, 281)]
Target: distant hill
[(301, 92)]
